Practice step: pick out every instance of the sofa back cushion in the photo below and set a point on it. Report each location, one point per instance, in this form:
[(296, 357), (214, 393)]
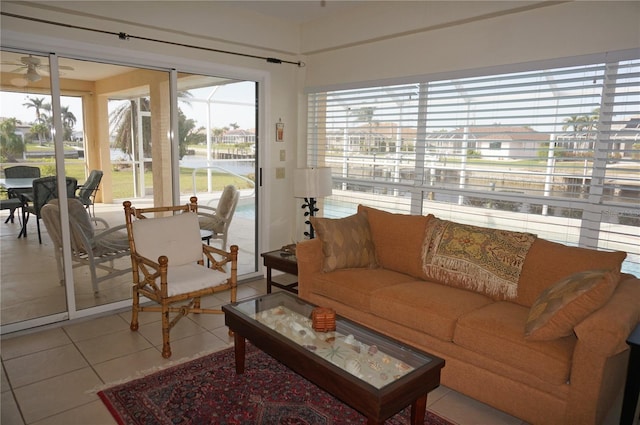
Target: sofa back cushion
[(398, 239), (548, 262)]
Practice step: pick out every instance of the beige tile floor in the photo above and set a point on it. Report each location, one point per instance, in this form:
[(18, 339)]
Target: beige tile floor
[(31, 288), (50, 376)]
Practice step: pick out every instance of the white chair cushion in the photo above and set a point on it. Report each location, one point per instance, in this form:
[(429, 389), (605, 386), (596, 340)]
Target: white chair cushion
[(177, 237), (192, 277)]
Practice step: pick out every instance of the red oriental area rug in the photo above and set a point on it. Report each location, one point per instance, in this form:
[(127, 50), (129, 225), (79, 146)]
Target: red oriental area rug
[(208, 391)]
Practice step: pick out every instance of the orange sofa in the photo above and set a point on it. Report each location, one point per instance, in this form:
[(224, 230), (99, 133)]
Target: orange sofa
[(370, 268)]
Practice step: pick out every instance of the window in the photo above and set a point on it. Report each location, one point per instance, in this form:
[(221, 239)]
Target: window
[(553, 151)]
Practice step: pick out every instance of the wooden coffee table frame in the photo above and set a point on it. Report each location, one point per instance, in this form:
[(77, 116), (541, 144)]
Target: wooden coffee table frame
[(377, 404)]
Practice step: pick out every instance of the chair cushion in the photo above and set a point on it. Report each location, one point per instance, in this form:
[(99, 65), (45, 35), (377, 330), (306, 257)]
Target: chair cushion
[(346, 242), (11, 203), (211, 222), (563, 305), (177, 237), (225, 204), (192, 277)]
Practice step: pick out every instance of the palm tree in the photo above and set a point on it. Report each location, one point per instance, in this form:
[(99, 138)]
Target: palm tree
[(218, 133), (366, 114), (38, 103), (41, 131), (125, 123), (68, 122), (584, 127), (123, 120), (11, 144), (188, 134)]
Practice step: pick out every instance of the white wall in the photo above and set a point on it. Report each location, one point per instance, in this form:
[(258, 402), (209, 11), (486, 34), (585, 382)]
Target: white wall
[(507, 33), (549, 32)]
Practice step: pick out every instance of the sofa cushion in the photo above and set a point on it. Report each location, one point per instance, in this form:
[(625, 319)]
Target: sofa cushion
[(548, 262), (496, 331), (354, 287), (346, 242), (429, 307), (563, 305), (397, 239)]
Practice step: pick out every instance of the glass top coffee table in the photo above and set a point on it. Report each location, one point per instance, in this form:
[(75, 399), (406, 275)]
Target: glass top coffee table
[(374, 374)]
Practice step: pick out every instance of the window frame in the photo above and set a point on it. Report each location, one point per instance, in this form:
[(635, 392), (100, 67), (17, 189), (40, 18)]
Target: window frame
[(592, 206)]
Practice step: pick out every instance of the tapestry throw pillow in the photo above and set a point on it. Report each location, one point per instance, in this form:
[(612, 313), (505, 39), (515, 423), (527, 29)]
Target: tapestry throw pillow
[(346, 242), (568, 302), (479, 259)]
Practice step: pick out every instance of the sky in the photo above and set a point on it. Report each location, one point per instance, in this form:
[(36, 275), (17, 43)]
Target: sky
[(233, 103)]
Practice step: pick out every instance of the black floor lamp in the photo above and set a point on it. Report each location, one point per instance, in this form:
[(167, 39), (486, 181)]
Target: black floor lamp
[(311, 184)]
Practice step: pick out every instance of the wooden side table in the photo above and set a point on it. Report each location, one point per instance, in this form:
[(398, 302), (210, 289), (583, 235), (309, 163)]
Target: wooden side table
[(632, 387), (284, 262)]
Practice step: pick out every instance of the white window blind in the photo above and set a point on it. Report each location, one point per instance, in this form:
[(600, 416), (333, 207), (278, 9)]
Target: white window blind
[(555, 152)]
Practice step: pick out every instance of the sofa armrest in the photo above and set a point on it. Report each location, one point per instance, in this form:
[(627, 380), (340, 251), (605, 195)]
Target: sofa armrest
[(607, 329), (310, 258)]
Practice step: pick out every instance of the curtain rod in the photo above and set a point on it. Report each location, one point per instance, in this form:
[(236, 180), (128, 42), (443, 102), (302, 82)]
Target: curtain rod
[(125, 36)]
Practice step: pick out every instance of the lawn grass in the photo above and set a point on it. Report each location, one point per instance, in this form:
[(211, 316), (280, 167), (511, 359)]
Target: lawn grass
[(122, 179)]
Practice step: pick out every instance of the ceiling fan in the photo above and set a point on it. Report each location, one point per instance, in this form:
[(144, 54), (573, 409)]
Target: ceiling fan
[(33, 68)]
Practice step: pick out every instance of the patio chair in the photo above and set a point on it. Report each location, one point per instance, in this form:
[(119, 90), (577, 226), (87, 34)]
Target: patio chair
[(93, 242), (87, 191), (167, 256), (11, 204), (44, 190), (18, 172), (218, 219)]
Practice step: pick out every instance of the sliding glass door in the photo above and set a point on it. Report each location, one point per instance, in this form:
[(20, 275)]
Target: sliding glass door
[(116, 120), (30, 284), (217, 124)]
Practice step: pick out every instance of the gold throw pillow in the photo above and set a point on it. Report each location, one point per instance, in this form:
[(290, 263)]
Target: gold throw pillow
[(346, 242), (560, 307)]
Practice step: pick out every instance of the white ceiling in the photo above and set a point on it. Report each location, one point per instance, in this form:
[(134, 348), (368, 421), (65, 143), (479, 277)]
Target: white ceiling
[(81, 70), (297, 12)]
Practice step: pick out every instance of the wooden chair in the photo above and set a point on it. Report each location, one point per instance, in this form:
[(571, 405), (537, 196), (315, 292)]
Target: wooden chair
[(93, 242), (167, 257), (218, 219)]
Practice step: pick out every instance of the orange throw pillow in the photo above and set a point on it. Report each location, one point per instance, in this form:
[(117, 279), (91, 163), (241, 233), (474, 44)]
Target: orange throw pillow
[(566, 303), (346, 242)]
